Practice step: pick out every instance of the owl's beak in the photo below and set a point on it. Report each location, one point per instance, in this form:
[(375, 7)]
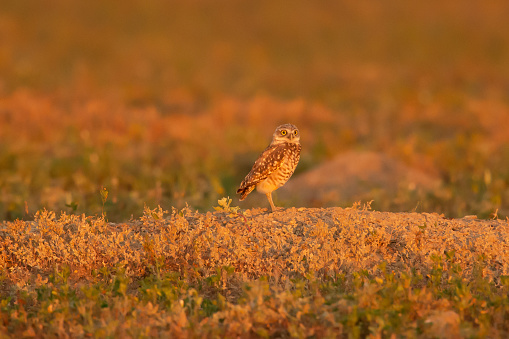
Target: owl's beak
[(292, 136)]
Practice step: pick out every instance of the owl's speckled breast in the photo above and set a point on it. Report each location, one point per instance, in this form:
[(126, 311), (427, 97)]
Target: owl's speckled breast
[(279, 177)]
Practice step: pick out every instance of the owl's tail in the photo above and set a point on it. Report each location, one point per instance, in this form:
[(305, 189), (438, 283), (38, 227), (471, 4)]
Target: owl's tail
[(245, 190)]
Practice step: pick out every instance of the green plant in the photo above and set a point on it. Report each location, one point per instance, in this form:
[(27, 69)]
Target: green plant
[(224, 206)]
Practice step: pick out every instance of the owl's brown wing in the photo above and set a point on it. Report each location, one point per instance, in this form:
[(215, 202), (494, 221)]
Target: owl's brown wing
[(269, 161)]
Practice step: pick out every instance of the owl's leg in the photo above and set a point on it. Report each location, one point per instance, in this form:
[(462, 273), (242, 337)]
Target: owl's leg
[(269, 196)]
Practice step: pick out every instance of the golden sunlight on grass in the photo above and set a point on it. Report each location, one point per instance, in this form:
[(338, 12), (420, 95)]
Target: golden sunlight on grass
[(109, 109), (301, 272)]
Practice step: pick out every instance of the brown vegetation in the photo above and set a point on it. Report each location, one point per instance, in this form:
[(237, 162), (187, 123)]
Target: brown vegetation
[(256, 243), (225, 252)]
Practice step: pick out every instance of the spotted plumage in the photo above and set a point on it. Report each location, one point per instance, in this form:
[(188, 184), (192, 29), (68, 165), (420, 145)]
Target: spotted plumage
[(275, 165)]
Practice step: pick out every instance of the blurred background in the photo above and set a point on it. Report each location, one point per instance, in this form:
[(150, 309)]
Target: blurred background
[(170, 102)]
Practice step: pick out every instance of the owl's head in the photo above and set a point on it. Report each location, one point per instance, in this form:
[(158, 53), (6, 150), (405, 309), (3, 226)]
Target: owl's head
[(286, 133)]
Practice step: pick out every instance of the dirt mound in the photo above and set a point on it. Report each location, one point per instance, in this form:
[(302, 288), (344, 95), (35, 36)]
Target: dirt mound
[(233, 273), (355, 176), (288, 242)]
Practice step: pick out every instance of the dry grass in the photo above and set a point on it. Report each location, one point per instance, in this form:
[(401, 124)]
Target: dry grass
[(291, 273)]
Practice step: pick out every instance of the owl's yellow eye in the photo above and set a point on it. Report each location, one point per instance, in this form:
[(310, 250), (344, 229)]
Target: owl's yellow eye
[(283, 132), (295, 132)]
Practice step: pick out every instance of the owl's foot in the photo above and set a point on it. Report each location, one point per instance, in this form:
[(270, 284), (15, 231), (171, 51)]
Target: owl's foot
[(270, 210)]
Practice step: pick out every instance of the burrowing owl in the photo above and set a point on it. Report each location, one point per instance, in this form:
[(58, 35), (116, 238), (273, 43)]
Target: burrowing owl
[(275, 165)]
